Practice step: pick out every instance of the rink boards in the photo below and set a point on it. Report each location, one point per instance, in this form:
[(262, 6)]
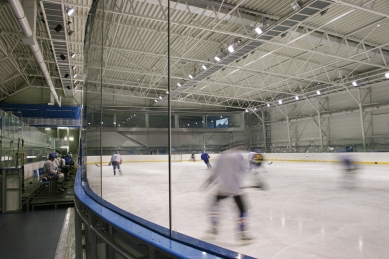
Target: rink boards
[(357, 157)]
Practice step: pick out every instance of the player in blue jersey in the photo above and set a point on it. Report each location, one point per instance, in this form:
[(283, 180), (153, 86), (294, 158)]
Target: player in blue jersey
[(205, 157)]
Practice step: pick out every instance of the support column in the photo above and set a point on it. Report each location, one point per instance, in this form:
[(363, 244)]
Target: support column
[(264, 131), (320, 130), (362, 125), (287, 122)]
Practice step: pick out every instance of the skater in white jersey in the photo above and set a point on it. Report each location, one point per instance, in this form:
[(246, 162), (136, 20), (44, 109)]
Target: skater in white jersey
[(116, 161), (228, 173)]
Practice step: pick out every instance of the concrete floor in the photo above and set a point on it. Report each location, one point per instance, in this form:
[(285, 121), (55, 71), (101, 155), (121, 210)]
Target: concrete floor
[(309, 211)]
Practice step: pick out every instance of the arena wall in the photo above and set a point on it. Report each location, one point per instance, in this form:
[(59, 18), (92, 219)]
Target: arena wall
[(361, 158)]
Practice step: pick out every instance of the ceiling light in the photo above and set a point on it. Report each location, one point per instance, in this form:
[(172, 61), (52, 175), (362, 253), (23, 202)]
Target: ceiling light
[(268, 105), (387, 75), (258, 30), (247, 110), (66, 75), (255, 108), (75, 81), (160, 97), (204, 67), (295, 6), (75, 76), (167, 92), (70, 11), (318, 92), (296, 97), (156, 101), (58, 28), (217, 58), (70, 32), (73, 55), (279, 101), (231, 48), (190, 76), (355, 83), (74, 67), (178, 84), (62, 56)]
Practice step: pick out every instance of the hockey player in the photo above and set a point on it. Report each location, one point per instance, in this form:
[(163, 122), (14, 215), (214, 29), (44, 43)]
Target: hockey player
[(193, 157), (349, 172), (256, 159), (228, 174), (250, 157), (116, 161), (51, 171), (255, 163), (205, 157)]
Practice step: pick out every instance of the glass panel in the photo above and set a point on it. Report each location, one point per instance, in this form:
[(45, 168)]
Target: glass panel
[(113, 130)]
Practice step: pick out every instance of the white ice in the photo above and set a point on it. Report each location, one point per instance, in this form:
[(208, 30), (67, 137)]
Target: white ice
[(310, 210)]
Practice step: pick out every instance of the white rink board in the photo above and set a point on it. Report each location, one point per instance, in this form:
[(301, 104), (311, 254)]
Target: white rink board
[(307, 213)]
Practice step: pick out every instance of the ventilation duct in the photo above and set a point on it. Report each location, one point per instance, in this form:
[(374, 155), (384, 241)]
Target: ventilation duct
[(30, 40)]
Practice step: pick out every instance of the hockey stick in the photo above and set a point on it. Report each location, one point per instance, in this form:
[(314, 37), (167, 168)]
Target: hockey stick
[(99, 165), (270, 163)]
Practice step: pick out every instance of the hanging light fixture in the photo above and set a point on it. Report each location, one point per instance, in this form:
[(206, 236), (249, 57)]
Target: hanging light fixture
[(69, 11), (231, 48)]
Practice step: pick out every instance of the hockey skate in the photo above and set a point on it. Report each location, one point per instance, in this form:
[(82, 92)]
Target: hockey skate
[(244, 238), (114, 173), (211, 233)]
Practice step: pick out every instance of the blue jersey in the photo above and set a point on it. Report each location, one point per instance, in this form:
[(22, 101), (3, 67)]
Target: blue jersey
[(204, 156)]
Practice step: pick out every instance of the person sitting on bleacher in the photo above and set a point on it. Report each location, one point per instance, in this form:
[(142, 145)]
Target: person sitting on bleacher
[(64, 167), (69, 162), (56, 161), (50, 169)]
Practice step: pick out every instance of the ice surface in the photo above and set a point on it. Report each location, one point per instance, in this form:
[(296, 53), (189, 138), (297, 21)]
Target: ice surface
[(310, 211)]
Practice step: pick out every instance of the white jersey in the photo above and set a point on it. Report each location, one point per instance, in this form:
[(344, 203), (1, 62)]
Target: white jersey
[(229, 171), (49, 168), (251, 155), (116, 158)]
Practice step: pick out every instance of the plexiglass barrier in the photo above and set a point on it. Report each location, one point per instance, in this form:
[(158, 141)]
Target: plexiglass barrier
[(133, 152), (13, 132)]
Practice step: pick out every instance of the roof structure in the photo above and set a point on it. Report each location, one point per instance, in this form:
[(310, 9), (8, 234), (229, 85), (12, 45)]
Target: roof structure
[(269, 52)]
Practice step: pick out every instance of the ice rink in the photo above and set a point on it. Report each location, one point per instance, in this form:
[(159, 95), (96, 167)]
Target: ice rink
[(309, 211)]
